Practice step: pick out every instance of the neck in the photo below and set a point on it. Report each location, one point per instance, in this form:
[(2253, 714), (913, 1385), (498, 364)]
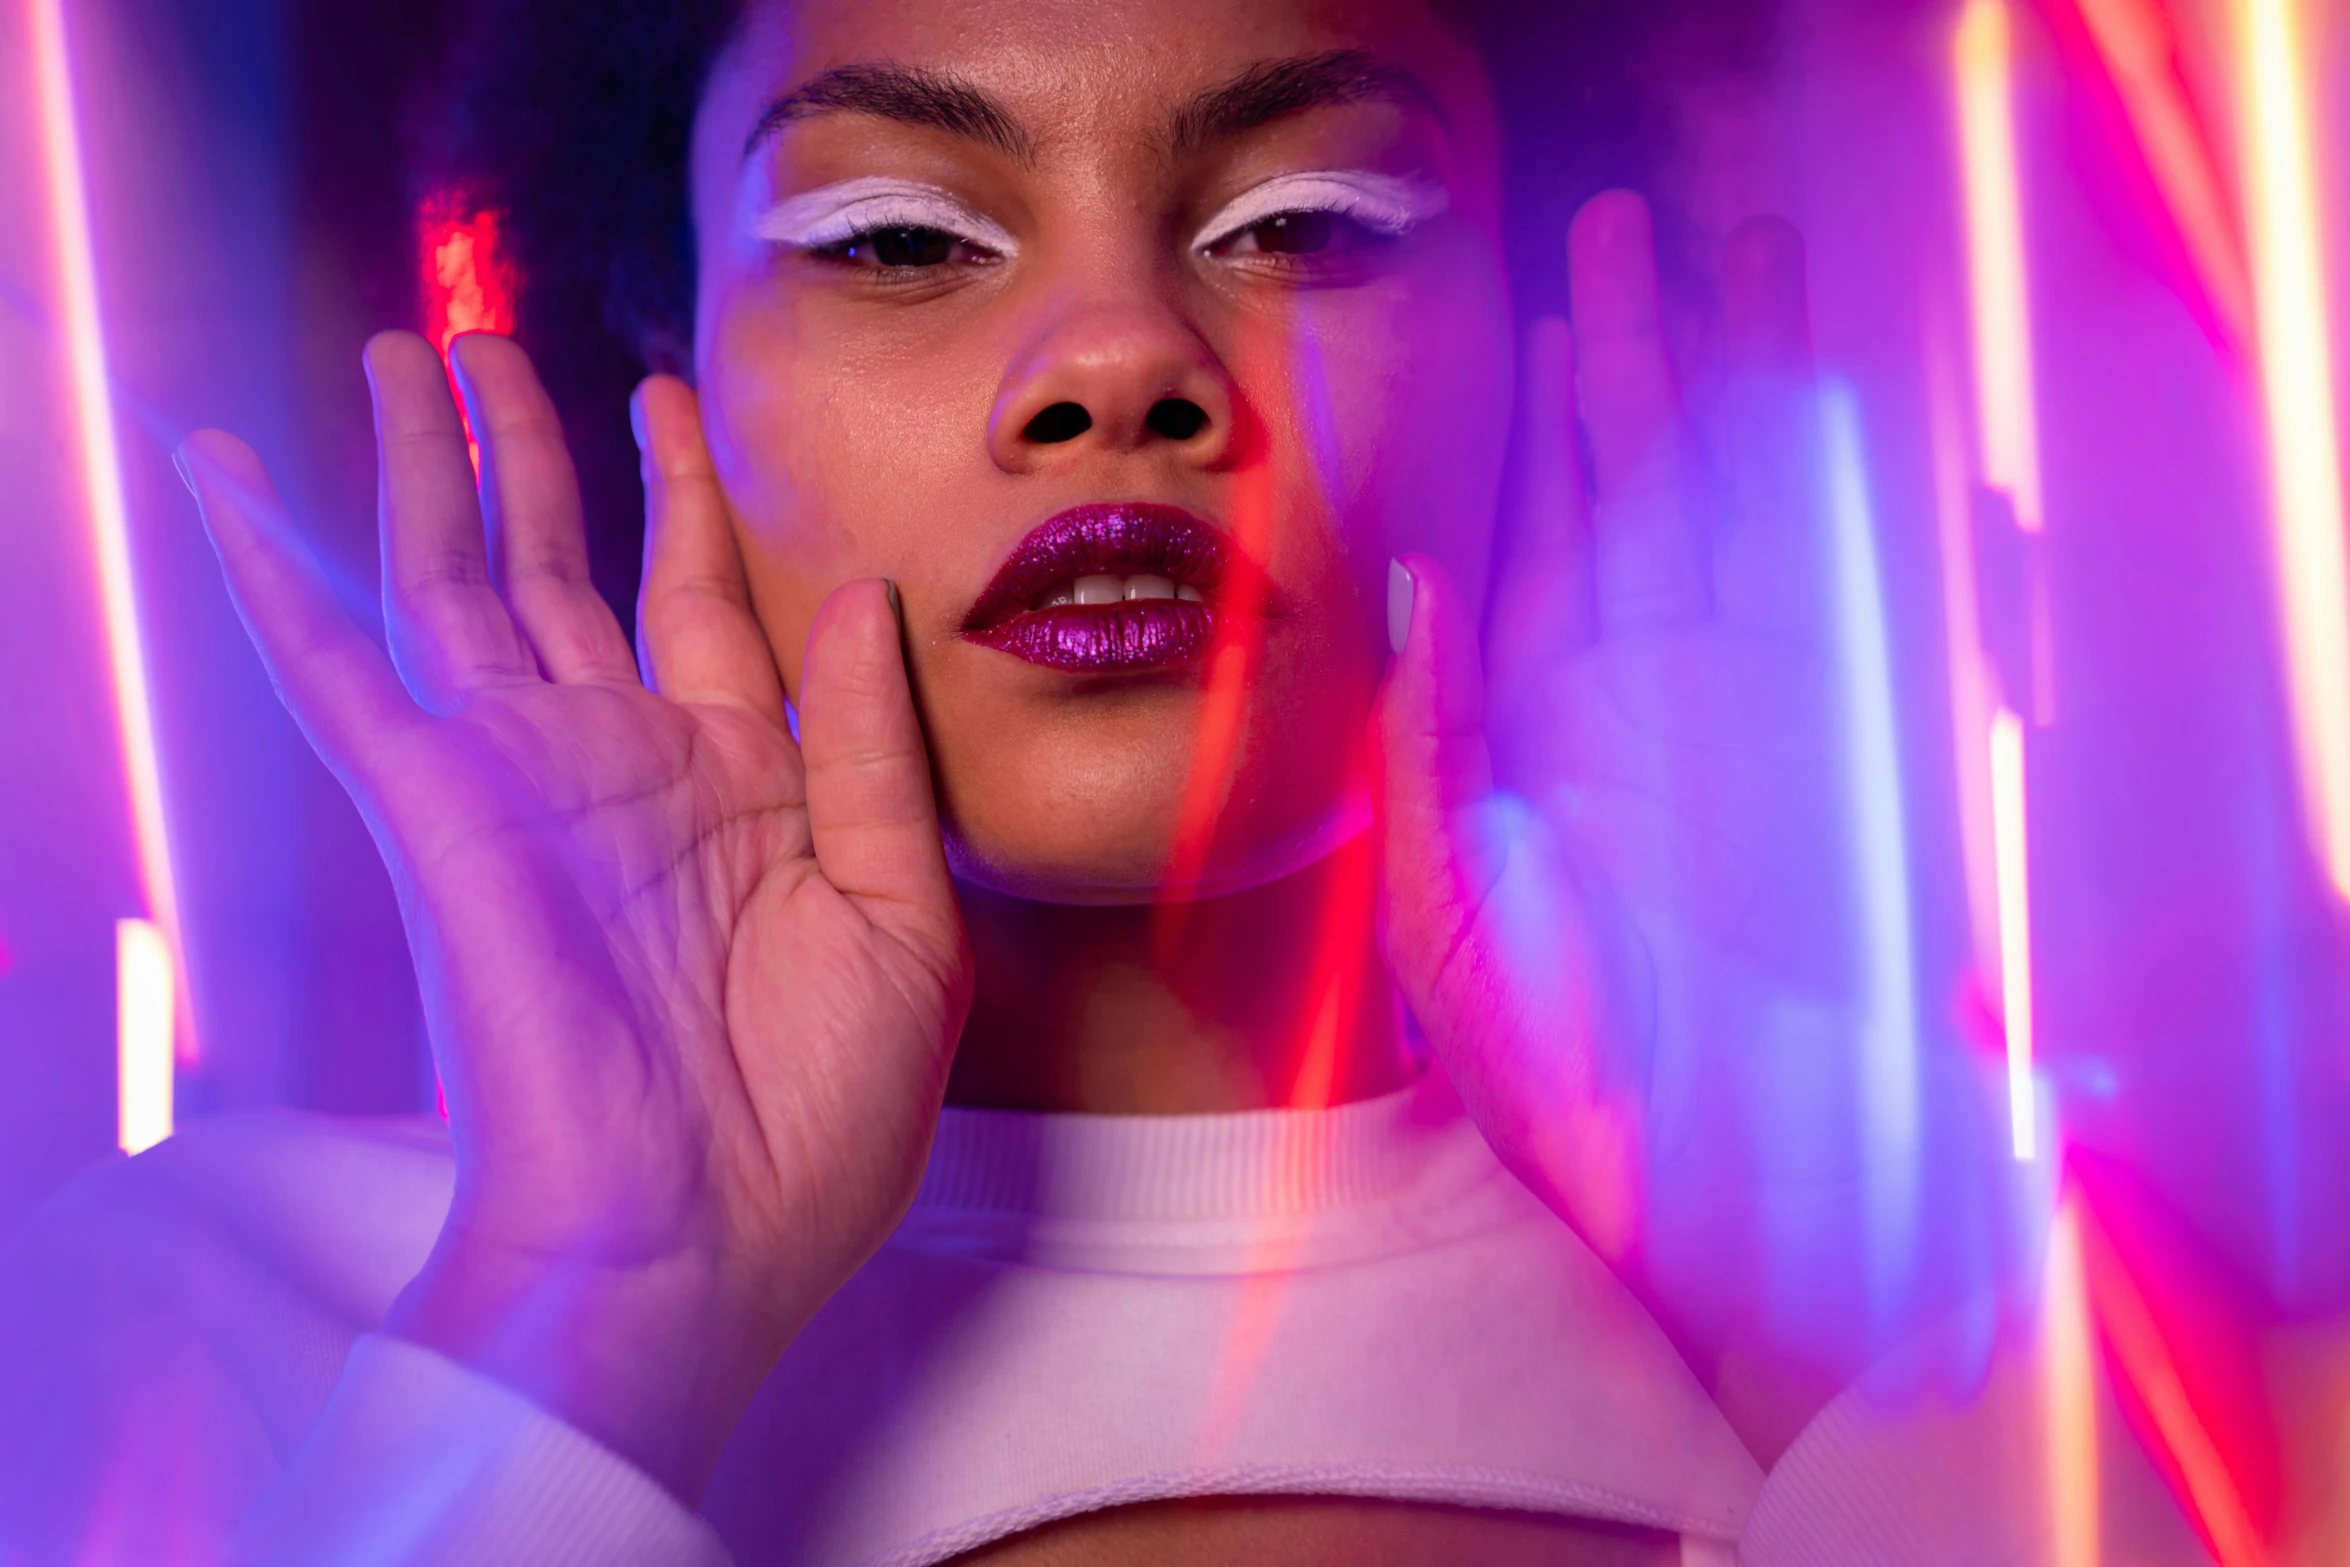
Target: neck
[(1272, 997)]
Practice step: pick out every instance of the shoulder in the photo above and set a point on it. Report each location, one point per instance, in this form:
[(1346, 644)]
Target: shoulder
[(344, 1205), (201, 1296)]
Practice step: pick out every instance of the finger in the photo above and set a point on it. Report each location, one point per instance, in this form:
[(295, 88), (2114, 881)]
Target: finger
[(329, 673), (871, 813), (1766, 308), (1649, 525), (1770, 552), (700, 638), (1542, 591), (538, 554), (448, 629)]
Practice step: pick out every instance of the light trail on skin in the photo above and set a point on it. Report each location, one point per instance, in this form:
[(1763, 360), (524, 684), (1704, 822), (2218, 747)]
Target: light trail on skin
[(100, 459), (1224, 703), (2288, 274)]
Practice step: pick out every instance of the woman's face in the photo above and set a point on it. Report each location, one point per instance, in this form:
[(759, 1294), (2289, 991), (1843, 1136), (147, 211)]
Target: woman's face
[(1131, 340)]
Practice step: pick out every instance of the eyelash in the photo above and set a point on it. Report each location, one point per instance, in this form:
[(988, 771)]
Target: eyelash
[(854, 225)]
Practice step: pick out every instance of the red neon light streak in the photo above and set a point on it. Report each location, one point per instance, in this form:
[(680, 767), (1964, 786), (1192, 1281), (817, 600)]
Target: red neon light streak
[(2313, 579), (101, 472), (1232, 664), (2142, 1353), (467, 283)]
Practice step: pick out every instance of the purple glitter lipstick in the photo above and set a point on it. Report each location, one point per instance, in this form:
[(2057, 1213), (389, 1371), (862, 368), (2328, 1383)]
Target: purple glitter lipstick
[(1106, 589)]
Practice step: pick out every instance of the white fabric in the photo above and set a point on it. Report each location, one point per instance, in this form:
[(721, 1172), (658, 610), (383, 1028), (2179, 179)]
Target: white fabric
[(1079, 1312)]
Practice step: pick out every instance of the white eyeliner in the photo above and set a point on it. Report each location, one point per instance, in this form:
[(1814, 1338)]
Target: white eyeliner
[(1383, 203), (833, 214)]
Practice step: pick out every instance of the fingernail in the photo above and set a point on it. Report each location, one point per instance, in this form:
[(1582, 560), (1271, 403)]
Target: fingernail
[(179, 463), (636, 418), (1400, 591), (897, 605)]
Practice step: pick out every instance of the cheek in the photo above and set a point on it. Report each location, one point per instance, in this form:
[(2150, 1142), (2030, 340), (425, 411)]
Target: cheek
[(841, 459)]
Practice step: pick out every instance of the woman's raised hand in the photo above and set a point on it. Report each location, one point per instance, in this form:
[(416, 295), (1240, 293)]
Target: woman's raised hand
[(692, 988), (1618, 841)]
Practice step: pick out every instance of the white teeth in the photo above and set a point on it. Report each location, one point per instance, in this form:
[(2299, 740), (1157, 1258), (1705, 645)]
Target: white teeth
[(1102, 588)]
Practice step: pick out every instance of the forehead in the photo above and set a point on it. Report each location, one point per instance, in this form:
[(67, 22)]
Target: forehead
[(1085, 70)]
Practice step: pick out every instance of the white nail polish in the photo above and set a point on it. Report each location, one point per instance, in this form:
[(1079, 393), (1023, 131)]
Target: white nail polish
[(1400, 590)]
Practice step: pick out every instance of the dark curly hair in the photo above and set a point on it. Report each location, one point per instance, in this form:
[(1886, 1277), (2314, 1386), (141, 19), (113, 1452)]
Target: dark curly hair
[(574, 118)]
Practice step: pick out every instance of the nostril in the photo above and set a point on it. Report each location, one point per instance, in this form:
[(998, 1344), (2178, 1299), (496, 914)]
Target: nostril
[(1061, 422), (1176, 418)]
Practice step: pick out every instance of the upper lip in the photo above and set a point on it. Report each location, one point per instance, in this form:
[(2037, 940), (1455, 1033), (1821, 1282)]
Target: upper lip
[(1120, 538)]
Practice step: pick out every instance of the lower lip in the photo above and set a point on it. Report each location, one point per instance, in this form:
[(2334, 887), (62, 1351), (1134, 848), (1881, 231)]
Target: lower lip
[(1137, 635)]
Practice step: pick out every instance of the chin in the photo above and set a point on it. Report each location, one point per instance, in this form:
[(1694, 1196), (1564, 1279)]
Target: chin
[(1111, 868)]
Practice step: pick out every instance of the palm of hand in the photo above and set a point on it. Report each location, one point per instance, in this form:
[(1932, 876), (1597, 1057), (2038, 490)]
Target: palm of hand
[(1648, 833), (692, 987)]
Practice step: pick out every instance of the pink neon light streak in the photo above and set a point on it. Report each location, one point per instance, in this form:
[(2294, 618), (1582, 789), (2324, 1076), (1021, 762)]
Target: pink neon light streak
[(1971, 683), (2007, 402), (2008, 828), (2313, 582), (2139, 47), (101, 469)]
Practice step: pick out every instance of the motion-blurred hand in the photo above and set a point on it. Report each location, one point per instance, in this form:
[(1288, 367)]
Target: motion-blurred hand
[(1617, 845), (692, 988)]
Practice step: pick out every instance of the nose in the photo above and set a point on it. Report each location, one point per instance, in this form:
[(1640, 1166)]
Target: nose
[(1127, 379)]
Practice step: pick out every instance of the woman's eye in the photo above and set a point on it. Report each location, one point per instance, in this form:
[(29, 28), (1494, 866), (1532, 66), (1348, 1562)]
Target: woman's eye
[(904, 248), (1309, 233)]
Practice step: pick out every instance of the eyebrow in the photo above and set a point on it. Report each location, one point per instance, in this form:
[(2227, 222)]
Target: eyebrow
[(907, 94), (1263, 93), (1276, 89)]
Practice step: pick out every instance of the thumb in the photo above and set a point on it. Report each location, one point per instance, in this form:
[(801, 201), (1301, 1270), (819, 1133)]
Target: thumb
[(1433, 712), (1493, 932), (1435, 771), (872, 816)]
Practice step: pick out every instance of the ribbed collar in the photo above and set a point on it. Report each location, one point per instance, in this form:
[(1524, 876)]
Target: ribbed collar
[(1145, 1168)]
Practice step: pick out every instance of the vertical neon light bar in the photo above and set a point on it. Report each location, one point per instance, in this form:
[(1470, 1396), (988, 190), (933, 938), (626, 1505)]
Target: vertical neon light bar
[(142, 1053), (101, 471), (2008, 426), (2289, 301), (2007, 404), (2070, 1412)]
